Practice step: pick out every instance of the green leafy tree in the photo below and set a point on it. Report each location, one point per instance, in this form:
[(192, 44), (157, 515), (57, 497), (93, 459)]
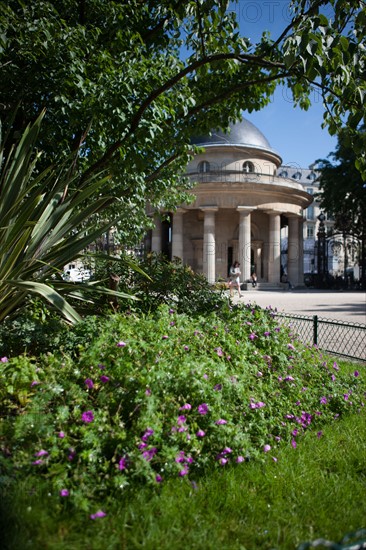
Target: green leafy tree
[(343, 189), (130, 82)]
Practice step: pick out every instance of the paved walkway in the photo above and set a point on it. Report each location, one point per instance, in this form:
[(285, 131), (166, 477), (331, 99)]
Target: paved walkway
[(345, 306)]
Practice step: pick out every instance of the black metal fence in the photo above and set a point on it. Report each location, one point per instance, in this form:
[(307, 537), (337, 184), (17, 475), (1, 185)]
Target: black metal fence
[(336, 337)]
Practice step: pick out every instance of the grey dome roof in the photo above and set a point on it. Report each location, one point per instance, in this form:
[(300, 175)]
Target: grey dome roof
[(241, 133)]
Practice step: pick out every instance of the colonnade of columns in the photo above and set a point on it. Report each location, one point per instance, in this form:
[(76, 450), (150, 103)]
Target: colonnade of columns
[(269, 251)]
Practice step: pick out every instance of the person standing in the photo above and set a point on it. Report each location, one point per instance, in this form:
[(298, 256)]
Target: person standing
[(254, 279), (235, 278)]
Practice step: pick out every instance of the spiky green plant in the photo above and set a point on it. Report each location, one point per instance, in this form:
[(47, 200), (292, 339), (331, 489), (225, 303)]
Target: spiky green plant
[(46, 221)]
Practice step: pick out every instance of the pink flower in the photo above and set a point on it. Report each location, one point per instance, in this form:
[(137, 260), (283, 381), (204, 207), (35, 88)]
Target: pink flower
[(323, 400), (294, 444), (87, 417), (89, 383), (186, 348), (4, 359), (147, 391), (35, 383), (183, 472), (223, 461), (181, 420), (61, 435), (186, 407), (122, 465), (252, 336), (203, 408), (165, 337), (240, 459), (99, 514), (37, 462), (64, 493), (219, 352), (42, 452), (121, 344), (290, 346), (200, 433), (220, 422), (104, 379), (267, 448)]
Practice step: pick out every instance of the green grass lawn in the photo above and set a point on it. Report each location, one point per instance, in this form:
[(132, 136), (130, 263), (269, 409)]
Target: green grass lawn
[(316, 490)]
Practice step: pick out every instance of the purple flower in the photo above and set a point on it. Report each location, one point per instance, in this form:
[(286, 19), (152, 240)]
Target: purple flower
[(61, 435), (323, 400), (319, 434), (172, 323), (64, 493), (99, 514), (220, 422), (186, 407), (35, 383), (4, 359), (42, 452), (335, 366), (102, 367), (171, 311), (158, 478), (186, 348), (181, 419), (294, 444), (218, 387), (147, 391), (274, 459), (240, 459), (289, 378), (148, 455), (37, 462), (122, 465), (180, 457), (72, 454), (267, 448), (356, 373), (165, 337), (184, 472), (89, 383), (104, 378), (87, 417), (267, 333), (219, 352), (226, 451), (252, 336), (203, 408), (259, 374), (223, 461), (200, 433), (121, 344), (290, 346), (147, 434)]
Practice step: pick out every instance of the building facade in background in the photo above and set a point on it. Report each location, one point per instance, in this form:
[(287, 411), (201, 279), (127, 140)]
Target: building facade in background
[(245, 206)]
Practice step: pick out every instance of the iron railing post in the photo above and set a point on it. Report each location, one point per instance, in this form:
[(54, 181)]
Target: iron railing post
[(315, 329)]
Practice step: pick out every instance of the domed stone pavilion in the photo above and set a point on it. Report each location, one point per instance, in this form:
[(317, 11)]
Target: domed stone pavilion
[(241, 205)]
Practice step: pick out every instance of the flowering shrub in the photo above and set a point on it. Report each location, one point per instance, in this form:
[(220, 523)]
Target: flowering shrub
[(164, 395)]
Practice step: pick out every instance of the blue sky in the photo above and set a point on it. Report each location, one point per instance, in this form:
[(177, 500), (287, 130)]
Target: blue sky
[(295, 134)]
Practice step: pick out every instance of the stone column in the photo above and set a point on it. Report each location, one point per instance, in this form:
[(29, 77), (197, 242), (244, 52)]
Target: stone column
[(244, 241), (177, 235), (274, 248), (301, 250), (257, 248), (156, 236), (209, 243), (294, 250)]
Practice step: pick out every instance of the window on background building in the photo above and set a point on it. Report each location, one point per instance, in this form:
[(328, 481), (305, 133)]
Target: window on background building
[(248, 167), (310, 231), (310, 213), (297, 176), (204, 167), (312, 176)]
